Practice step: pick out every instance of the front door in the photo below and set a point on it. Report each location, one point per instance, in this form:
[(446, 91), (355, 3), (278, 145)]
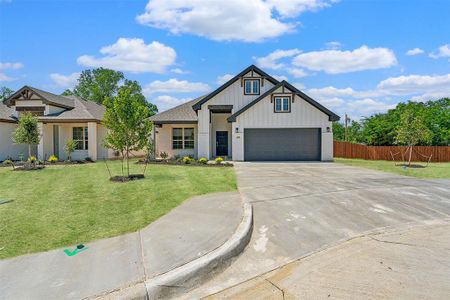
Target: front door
[(221, 143)]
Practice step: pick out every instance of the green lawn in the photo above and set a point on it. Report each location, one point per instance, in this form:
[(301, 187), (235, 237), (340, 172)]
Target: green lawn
[(65, 205), (434, 170)]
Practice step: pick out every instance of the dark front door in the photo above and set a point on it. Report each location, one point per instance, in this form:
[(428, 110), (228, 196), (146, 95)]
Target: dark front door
[(221, 143)]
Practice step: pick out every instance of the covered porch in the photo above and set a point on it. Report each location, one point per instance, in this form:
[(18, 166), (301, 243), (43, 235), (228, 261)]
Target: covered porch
[(87, 135)]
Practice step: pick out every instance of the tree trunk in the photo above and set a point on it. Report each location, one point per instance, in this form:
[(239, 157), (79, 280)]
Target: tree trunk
[(410, 156), (29, 150), (123, 157), (128, 162)]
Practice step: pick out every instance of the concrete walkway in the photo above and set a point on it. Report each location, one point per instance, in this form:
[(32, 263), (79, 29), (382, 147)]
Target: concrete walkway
[(406, 264), (301, 208), (191, 230)]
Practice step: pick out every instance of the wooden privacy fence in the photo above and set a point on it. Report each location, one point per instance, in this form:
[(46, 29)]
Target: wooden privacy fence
[(419, 153)]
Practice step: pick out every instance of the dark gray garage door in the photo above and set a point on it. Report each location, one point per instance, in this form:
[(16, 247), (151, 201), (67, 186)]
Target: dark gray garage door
[(282, 144)]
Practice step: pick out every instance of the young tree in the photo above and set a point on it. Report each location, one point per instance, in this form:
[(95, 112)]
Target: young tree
[(412, 131), (27, 131), (69, 147), (126, 118)]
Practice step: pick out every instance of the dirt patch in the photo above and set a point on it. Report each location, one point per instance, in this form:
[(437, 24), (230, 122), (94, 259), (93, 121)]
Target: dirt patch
[(127, 178)]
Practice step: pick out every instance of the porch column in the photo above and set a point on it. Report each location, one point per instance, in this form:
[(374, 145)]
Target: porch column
[(92, 140), (203, 133), (40, 148)]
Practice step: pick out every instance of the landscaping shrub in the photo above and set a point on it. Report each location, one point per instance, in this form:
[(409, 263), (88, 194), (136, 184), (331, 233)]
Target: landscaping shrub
[(219, 160), (7, 162), (164, 155), (187, 160), (52, 159), (203, 160), (32, 159)]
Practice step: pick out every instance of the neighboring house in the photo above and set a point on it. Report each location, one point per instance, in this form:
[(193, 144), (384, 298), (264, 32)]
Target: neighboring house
[(60, 118), (252, 117)]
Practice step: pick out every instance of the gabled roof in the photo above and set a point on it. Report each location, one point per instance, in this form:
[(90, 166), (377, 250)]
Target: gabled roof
[(251, 68), (47, 97), (83, 110), (332, 116), (179, 114)]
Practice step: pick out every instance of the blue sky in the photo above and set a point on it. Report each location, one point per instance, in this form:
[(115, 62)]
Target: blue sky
[(358, 57)]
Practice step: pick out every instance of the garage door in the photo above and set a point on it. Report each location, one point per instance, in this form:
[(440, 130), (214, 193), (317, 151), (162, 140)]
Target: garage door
[(282, 144)]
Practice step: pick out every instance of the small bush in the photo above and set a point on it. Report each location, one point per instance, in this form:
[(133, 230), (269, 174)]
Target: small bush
[(7, 162), (32, 159), (52, 159), (88, 159), (187, 160), (203, 160), (164, 155), (219, 160)]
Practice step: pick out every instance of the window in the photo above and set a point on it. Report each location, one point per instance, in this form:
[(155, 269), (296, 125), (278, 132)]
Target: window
[(282, 104), (188, 138), (80, 136), (183, 138), (251, 86)]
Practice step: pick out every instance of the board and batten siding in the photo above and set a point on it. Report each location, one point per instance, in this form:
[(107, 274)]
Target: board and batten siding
[(232, 95), (302, 115)]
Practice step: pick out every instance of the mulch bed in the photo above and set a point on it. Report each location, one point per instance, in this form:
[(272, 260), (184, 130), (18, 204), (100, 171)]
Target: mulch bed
[(29, 168), (127, 178), (180, 163)]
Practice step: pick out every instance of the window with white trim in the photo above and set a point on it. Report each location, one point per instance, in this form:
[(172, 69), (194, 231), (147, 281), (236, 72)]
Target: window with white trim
[(282, 104), (251, 86), (183, 138), (80, 136)]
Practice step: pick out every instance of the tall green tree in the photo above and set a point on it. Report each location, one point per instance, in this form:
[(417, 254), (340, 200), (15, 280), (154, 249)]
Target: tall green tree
[(27, 131), (5, 92), (98, 84), (126, 118)]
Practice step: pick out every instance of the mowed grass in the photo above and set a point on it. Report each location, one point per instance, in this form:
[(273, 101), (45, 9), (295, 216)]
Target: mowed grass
[(433, 170), (66, 205)]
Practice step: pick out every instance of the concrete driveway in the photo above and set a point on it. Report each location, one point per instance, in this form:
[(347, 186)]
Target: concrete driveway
[(300, 208)]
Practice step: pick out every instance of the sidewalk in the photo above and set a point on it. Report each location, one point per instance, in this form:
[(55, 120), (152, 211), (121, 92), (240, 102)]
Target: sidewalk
[(408, 264), (193, 229)]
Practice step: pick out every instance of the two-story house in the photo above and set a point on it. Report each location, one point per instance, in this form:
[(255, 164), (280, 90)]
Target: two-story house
[(252, 117)]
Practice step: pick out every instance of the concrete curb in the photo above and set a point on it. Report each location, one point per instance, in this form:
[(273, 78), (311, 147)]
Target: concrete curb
[(192, 274)]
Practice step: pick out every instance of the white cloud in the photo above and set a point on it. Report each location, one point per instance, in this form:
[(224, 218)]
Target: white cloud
[(337, 61), (443, 51), (223, 79), (332, 102), (415, 51), (132, 55), (415, 84), (369, 106), (299, 85), (280, 77), (65, 81), (271, 61), (10, 66), (4, 77), (179, 71), (297, 73), (165, 102), (223, 20), (334, 45), (175, 86)]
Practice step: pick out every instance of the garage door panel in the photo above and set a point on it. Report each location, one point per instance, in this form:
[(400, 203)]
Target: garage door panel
[(282, 144)]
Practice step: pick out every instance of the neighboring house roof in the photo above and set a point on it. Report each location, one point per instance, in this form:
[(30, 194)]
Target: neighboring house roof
[(47, 97), (83, 111), (6, 113), (251, 68), (180, 114), (332, 116)]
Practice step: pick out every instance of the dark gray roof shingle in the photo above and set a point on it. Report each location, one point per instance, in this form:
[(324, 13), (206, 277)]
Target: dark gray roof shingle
[(6, 113), (180, 113), (83, 110)]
